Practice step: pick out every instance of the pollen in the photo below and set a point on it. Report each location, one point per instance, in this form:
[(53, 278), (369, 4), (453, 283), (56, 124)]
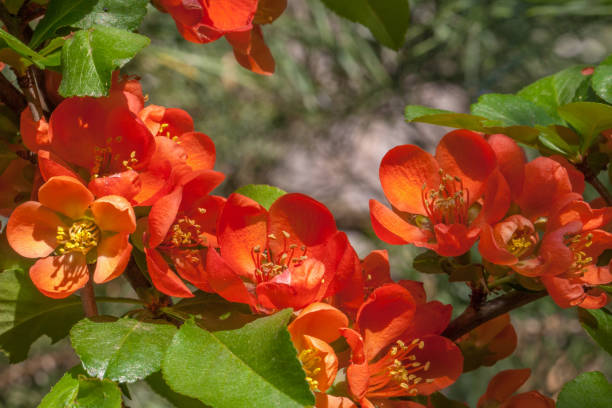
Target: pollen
[(311, 363), (82, 236), (448, 204)]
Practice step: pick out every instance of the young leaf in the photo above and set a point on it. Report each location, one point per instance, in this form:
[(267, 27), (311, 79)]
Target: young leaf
[(60, 13), (588, 118), (76, 390), (264, 194), (587, 390), (598, 323), (29, 54), (26, 314), (387, 20), (258, 360), (512, 110), (90, 56), (126, 350), (602, 80), (123, 14)]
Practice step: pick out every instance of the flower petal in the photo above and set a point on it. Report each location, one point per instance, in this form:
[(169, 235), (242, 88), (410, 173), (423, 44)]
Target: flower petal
[(319, 320), (65, 195), (404, 171), (162, 216), (32, 230), (454, 239), (113, 256), (125, 184), (225, 282), (393, 229), (60, 276), (329, 401), (258, 58), (445, 363), (510, 161), (465, 154), (164, 279), (200, 150), (114, 213), (503, 385)]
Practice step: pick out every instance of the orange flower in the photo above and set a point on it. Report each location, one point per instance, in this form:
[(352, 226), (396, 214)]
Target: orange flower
[(504, 384), (488, 343), (431, 197), (396, 347), (68, 229), (312, 331), (509, 242)]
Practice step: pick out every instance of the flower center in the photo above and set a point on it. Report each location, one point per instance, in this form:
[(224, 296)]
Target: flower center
[(396, 373), (164, 131), (578, 244), (449, 203), (521, 242), (185, 233), (267, 265), (311, 363), (105, 162), (80, 237)]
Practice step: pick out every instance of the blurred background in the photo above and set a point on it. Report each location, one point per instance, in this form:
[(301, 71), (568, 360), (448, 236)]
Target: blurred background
[(321, 124)]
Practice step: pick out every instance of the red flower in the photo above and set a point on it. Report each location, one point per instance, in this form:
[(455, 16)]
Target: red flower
[(66, 229), (396, 347), (431, 197), (504, 384), (289, 256)]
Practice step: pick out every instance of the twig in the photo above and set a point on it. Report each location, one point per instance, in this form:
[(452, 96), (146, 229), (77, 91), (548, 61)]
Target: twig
[(472, 318), (601, 189), (88, 298)]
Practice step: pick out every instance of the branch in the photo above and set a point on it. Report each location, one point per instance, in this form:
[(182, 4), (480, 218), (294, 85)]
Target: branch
[(472, 318), (601, 189), (89, 300)]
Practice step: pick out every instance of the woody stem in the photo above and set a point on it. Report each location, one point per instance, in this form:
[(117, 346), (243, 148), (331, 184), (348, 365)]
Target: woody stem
[(88, 298), (601, 189), (472, 317)]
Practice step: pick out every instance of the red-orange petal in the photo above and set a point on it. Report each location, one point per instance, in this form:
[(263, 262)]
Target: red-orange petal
[(51, 165), (319, 320), (235, 15), (114, 213), (393, 229), (384, 316), (430, 318), (113, 256), (258, 59), (492, 250), (503, 385), (376, 268), (162, 216), (60, 276), (32, 230), (446, 363), (531, 399), (496, 202), (242, 227), (328, 364), (224, 281), (357, 373), (35, 134), (164, 279), (454, 239), (330, 401), (404, 171), (125, 184), (576, 177), (467, 155), (65, 195), (269, 10), (510, 161), (200, 150)]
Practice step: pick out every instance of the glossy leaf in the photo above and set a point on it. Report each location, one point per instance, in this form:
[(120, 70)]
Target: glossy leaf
[(602, 80), (126, 350), (258, 360), (158, 385), (387, 20), (564, 87), (76, 390), (598, 323), (588, 118), (123, 14), (60, 13), (264, 194), (511, 110), (90, 57), (587, 390), (26, 314)]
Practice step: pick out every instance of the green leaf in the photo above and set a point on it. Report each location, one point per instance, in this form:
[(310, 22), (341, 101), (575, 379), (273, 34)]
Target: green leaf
[(258, 360), (60, 13), (387, 20), (564, 87), (262, 193), (428, 262), (75, 390), (13, 6), (90, 56), (29, 54), (551, 138), (126, 350), (588, 118), (598, 323), (416, 113), (511, 110), (159, 386), (590, 390), (212, 312), (601, 80), (26, 314), (123, 14)]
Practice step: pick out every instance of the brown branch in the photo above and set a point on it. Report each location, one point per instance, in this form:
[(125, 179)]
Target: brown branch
[(33, 93), (601, 189), (88, 298), (472, 318), (10, 96)]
